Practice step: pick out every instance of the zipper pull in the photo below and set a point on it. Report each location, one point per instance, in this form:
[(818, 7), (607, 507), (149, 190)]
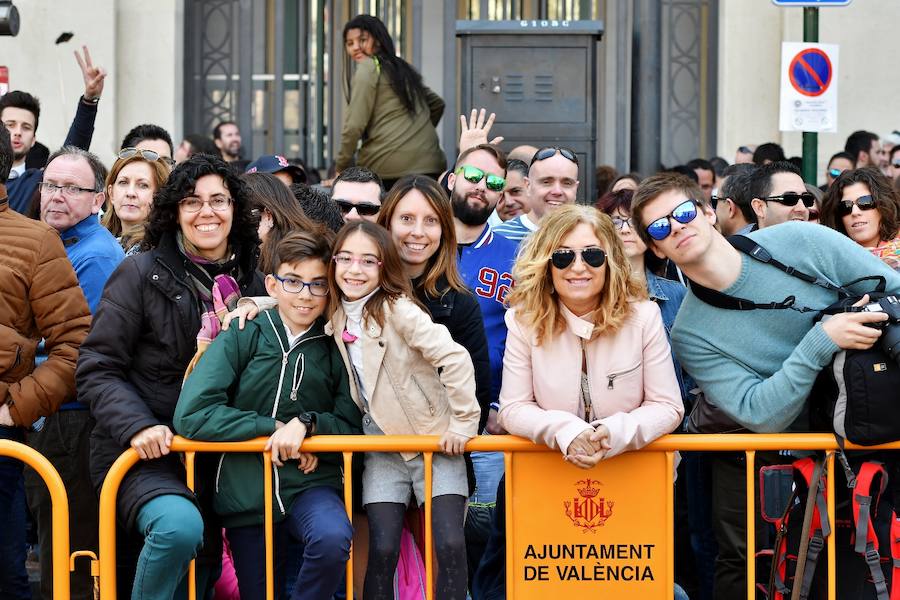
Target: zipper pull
[(611, 379), (293, 395)]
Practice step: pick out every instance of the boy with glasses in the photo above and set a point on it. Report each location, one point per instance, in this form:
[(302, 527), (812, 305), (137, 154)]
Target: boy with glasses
[(757, 366), (552, 182), (280, 376)]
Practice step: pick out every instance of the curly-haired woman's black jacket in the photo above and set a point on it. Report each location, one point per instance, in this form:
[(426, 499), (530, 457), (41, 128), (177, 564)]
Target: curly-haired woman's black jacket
[(132, 364)]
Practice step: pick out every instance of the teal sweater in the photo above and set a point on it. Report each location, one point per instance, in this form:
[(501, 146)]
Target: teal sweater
[(759, 366)]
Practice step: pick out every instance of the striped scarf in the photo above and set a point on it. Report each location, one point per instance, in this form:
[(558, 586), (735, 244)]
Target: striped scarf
[(217, 294)]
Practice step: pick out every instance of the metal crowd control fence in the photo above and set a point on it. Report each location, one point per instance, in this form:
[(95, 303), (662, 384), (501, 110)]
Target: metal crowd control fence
[(59, 512), (509, 445)]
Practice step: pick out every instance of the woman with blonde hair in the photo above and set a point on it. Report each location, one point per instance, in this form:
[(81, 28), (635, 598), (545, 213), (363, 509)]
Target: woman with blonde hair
[(588, 369), (130, 185)]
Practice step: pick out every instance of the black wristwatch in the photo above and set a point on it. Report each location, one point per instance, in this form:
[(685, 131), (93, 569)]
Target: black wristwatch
[(308, 420)]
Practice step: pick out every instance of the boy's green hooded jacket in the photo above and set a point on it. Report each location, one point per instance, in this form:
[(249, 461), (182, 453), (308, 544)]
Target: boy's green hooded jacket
[(248, 379)]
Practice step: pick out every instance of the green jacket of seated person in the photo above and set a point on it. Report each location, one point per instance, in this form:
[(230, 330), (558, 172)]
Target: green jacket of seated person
[(242, 384)]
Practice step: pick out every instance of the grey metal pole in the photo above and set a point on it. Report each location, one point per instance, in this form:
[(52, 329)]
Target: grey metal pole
[(646, 87), (810, 138)]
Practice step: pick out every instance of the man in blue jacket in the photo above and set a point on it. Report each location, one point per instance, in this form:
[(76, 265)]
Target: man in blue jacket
[(71, 196), (20, 112)]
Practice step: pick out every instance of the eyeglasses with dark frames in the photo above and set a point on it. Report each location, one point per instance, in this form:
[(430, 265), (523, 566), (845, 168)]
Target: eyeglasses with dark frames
[(292, 285), (364, 209), (69, 191), (684, 213), (845, 206)]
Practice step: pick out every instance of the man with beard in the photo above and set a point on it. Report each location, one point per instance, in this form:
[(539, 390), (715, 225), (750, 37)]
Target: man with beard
[(227, 137), (485, 263), (20, 112), (485, 259)]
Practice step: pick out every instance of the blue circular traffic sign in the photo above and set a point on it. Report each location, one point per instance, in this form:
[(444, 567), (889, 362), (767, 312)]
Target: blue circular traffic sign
[(810, 72)]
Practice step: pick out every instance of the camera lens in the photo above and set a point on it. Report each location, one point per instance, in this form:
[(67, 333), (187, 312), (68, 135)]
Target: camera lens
[(890, 341)]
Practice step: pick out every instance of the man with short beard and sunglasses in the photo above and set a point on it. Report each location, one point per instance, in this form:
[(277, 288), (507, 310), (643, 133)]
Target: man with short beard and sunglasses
[(756, 366)]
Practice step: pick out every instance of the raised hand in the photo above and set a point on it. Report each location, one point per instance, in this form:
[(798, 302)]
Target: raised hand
[(475, 130), (93, 76)]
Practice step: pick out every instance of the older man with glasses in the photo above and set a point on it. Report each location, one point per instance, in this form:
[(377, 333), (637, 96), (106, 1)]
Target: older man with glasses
[(71, 197), (552, 182)]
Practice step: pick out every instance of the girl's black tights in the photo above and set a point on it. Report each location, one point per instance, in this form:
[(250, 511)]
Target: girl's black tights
[(385, 526)]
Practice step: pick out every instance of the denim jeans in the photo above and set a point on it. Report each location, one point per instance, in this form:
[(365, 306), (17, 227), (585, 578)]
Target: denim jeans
[(13, 578), (317, 520), (173, 533), (488, 471)]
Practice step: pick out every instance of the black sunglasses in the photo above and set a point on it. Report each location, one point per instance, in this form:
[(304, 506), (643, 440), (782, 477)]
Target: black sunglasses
[(545, 153), (791, 198), (365, 209), (845, 206), (564, 257)]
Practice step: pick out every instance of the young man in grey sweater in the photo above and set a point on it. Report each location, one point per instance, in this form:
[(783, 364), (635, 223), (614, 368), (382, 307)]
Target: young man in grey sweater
[(757, 366)]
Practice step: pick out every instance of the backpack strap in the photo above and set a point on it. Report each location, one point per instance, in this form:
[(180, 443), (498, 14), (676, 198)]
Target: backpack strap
[(895, 557), (865, 504), (757, 252), (754, 250), (816, 516)]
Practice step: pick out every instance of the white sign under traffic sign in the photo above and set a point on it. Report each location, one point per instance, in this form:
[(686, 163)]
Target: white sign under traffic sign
[(808, 87)]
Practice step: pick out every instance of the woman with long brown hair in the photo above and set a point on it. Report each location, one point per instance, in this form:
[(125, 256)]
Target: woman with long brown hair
[(278, 212), (418, 215)]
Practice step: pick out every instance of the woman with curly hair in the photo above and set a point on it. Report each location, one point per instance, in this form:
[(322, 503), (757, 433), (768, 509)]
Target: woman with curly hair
[(158, 309), (587, 370), (863, 205)]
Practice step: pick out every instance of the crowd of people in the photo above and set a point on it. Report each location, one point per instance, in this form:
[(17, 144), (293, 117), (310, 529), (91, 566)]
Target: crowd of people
[(185, 290)]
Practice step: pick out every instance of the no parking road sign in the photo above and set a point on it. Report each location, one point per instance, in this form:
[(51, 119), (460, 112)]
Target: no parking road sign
[(808, 87)]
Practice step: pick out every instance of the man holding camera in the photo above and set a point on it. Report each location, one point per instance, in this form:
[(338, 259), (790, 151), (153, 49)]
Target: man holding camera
[(757, 366)]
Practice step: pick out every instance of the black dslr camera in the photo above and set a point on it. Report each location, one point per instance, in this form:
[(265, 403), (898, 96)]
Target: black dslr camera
[(890, 336)]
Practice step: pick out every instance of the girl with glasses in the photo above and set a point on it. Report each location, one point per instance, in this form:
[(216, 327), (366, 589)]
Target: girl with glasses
[(410, 378), (863, 205)]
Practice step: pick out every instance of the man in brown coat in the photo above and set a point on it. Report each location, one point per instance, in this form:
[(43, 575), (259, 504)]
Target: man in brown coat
[(39, 298)]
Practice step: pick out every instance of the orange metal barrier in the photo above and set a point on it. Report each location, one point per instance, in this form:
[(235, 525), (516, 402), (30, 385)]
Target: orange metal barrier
[(510, 445), (59, 511)]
